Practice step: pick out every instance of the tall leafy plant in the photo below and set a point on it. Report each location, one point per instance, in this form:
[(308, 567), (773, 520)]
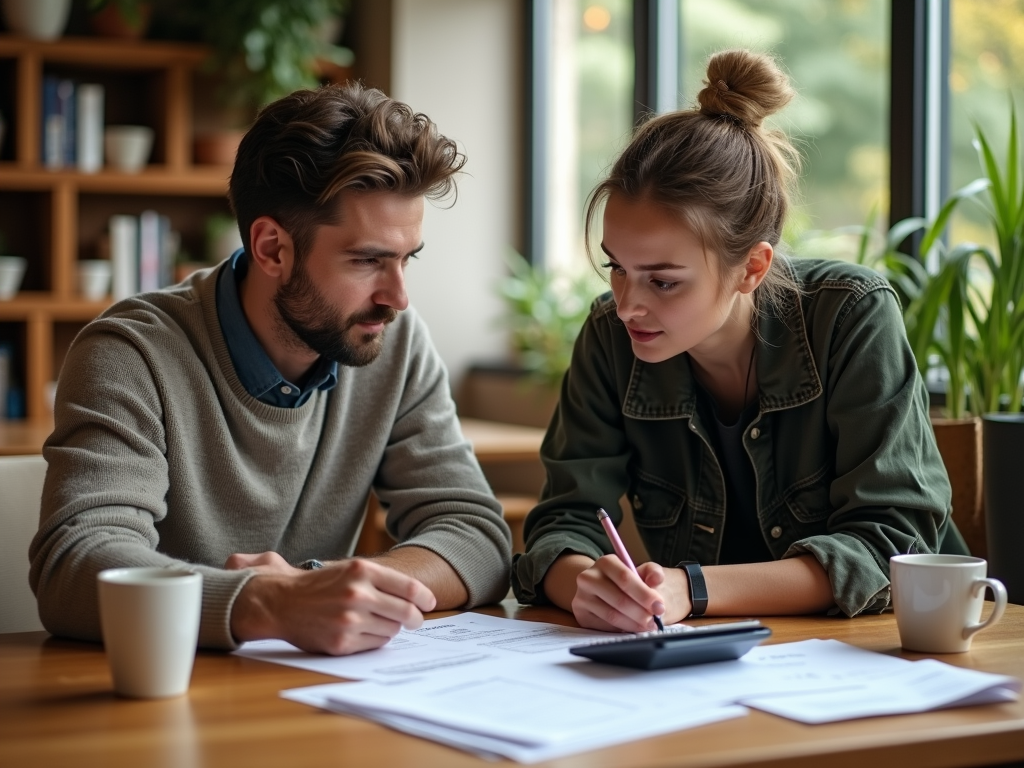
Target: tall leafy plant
[(264, 49), (971, 310)]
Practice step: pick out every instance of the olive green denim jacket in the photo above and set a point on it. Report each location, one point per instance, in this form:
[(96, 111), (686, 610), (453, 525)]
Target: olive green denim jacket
[(842, 447)]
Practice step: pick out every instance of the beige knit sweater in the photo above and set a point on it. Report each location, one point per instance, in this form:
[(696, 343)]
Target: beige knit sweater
[(160, 457)]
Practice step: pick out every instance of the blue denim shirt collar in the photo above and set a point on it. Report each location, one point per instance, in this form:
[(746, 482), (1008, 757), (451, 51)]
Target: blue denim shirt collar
[(255, 370)]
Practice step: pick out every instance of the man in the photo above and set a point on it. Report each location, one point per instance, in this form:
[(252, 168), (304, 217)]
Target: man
[(234, 424)]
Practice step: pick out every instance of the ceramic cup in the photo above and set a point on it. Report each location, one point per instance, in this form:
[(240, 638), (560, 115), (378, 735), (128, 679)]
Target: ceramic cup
[(150, 622), (12, 270), (127, 147), (938, 601), (37, 19), (94, 278)]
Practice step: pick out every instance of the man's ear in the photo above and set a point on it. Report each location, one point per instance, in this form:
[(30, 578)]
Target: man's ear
[(755, 268), (273, 251)]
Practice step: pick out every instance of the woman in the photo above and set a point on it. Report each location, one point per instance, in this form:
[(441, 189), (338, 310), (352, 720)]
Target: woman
[(763, 418)]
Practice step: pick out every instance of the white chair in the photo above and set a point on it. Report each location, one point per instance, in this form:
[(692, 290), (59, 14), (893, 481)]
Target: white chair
[(21, 488)]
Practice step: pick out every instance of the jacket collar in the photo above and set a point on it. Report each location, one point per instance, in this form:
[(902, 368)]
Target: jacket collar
[(786, 373)]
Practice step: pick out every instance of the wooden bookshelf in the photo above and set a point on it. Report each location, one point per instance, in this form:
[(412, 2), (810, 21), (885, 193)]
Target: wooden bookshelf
[(54, 217)]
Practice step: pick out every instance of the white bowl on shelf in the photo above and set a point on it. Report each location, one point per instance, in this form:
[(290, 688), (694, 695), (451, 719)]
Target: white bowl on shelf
[(12, 270), (37, 19), (94, 278), (127, 147)]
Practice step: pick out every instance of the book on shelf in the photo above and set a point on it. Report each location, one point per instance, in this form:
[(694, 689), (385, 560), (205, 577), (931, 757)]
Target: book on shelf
[(149, 251), (142, 252), (53, 125), (72, 124), (12, 396), (89, 127), (6, 353)]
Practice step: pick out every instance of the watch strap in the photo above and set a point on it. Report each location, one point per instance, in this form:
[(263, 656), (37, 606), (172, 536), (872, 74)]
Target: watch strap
[(310, 565), (698, 588)]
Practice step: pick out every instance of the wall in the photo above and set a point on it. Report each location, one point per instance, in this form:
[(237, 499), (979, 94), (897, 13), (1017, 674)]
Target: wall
[(460, 62)]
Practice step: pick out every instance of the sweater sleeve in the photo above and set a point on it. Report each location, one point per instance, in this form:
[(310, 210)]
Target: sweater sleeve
[(431, 484), (105, 491)]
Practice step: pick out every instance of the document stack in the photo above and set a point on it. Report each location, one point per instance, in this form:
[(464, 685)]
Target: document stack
[(506, 688)]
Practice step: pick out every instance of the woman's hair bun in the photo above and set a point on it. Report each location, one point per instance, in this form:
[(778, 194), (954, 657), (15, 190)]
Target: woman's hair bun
[(745, 86)]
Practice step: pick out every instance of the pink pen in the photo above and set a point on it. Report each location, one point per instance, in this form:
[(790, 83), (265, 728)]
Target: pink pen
[(620, 549)]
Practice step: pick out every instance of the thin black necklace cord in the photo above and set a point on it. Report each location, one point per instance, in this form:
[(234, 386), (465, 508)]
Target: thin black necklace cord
[(750, 367)]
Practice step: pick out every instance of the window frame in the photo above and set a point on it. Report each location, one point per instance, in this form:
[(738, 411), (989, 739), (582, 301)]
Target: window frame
[(919, 125)]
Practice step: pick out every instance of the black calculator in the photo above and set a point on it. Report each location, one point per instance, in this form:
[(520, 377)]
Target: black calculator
[(677, 646)]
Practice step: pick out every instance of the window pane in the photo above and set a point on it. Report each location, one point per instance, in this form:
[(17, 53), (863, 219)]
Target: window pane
[(590, 111), (987, 62), (837, 56)]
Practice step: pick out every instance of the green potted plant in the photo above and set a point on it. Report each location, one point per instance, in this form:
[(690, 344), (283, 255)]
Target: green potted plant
[(261, 50), (970, 312), (544, 312), (125, 19), (269, 48), (936, 341)]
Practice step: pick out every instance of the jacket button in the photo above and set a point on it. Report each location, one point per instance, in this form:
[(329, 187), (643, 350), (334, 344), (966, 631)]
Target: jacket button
[(776, 531), (755, 433), (637, 504)]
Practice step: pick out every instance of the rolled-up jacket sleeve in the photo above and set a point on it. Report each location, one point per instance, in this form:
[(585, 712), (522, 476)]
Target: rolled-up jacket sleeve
[(890, 493), (585, 455)]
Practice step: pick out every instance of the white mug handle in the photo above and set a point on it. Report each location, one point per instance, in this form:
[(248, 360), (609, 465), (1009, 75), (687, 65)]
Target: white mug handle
[(999, 592)]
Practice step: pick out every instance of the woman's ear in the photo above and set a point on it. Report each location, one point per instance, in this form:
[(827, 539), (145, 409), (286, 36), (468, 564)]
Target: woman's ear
[(273, 251), (755, 268)]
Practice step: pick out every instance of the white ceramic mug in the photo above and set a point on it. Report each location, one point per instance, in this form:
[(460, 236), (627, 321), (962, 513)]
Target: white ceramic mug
[(938, 601), (150, 620)]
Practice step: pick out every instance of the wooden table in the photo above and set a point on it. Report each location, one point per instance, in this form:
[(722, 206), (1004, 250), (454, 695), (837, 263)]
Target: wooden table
[(57, 709), (23, 438), (495, 442)]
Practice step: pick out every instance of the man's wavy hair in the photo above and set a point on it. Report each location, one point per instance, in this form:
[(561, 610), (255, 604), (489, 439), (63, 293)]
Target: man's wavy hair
[(310, 146)]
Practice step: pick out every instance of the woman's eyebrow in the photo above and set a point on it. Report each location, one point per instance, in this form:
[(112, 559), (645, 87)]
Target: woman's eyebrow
[(659, 267), (662, 265)]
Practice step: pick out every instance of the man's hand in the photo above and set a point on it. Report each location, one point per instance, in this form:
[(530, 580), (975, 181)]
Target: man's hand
[(347, 606), (610, 597)]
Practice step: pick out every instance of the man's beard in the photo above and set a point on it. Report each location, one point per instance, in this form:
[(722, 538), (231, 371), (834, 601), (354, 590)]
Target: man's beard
[(308, 316)]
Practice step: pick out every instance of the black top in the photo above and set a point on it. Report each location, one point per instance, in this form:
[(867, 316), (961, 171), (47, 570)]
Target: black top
[(742, 541)]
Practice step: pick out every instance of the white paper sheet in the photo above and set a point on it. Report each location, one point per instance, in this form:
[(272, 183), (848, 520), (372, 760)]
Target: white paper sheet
[(511, 688), (921, 687), (499, 716), (440, 645)]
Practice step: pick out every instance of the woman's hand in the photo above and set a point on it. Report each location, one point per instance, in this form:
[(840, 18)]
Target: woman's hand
[(609, 596), (606, 595), (673, 585)]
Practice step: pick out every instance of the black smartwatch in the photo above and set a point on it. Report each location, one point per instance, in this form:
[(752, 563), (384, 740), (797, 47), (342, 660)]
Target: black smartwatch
[(698, 588)]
